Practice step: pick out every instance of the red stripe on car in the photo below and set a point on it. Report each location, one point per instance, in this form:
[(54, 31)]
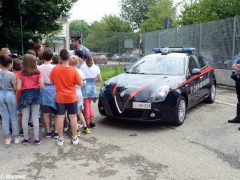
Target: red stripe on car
[(210, 68)]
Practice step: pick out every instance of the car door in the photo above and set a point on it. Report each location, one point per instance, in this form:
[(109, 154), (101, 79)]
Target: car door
[(204, 79), (194, 80)]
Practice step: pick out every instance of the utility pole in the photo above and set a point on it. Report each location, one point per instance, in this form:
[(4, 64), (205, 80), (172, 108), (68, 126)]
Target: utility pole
[(21, 23)]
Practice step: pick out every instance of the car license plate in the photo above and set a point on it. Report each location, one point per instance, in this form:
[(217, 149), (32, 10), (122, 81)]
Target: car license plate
[(139, 105)]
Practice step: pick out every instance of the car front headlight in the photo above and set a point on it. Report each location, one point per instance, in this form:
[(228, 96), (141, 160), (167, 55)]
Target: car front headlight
[(160, 94)]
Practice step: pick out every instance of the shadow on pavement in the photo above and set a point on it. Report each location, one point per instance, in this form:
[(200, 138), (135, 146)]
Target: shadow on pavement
[(134, 125)]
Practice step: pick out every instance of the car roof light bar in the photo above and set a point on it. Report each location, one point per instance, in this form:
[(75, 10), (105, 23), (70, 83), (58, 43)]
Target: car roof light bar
[(167, 50)]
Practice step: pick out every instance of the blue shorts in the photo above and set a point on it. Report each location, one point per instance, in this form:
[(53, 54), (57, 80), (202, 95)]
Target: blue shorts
[(71, 108)]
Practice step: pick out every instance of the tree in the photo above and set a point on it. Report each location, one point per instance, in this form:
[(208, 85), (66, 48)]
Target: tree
[(105, 34), (134, 11), (111, 24), (208, 10), (157, 13), (79, 26), (38, 20)]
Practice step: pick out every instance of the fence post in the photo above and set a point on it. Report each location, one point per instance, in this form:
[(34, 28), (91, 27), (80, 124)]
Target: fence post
[(234, 35), (200, 38), (159, 37)]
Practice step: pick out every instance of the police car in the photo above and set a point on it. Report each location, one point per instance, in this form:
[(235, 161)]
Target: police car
[(159, 87)]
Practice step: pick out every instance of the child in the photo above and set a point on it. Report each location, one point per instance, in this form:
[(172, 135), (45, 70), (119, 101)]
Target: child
[(48, 95), (65, 79), (8, 105), (92, 74), (17, 67), (74, 62), (30, 81)]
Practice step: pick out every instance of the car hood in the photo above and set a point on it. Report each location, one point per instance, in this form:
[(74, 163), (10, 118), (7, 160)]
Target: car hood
[(141, 86)]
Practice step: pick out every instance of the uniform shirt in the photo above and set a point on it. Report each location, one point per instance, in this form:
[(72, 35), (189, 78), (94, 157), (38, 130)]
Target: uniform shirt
[(7, 80), (65, 80), (237, 62), (84, 49), (90, 72), (46, 69)]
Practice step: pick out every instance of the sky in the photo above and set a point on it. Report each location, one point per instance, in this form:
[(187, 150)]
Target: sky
[(94, 10)]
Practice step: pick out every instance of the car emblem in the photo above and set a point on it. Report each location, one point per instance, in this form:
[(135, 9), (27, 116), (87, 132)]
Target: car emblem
[(122, 94)]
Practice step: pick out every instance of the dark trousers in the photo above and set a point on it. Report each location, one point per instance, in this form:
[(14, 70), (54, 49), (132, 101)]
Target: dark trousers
[(238, 89)]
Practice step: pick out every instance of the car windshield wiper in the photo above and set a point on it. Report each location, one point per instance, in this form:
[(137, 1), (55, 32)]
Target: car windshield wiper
[(135, 72)]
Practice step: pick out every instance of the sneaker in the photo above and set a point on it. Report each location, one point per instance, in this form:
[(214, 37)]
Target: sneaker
[(48, 135), (86, 130), (37, 142), (8, 141), (54, 135), (18, 140), (80, 126), (78, 133), (60, 142), (65, 129), (75, 141), (26, 141), (92, 125)]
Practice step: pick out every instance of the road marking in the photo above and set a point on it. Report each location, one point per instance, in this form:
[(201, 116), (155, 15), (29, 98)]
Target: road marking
[(221, 102)]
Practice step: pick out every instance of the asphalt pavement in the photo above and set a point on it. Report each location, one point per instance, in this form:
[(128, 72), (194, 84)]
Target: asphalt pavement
[(204, 147)]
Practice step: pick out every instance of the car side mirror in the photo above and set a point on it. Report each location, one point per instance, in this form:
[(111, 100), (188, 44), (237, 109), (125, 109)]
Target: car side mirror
[(195, 71)]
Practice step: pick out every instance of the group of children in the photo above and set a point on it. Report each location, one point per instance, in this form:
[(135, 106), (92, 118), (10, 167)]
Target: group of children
[(64, 91)]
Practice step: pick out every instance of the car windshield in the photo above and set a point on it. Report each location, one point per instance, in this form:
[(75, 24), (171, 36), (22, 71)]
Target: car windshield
[(163, 65)]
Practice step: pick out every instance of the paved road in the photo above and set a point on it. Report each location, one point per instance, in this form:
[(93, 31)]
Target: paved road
[(205, 147)]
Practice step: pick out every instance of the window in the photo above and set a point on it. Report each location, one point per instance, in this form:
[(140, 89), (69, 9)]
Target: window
[(192, 64), (201, 62)]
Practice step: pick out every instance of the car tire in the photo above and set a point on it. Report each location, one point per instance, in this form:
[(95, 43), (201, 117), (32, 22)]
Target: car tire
[(211, 97), (181, 109), (101, 109)]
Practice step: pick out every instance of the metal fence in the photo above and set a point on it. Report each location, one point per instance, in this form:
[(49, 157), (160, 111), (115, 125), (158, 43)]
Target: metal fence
[(113, 42), (218, 41)]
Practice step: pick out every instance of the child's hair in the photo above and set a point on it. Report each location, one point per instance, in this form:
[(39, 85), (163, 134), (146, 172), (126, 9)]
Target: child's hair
[(81, 54), (64, 55), (56, 59), (89, 60), (73, 60), (17, 64), (5, 52), (37, 48), (5, 60), (30, 51), (47, 55), (29, 65)]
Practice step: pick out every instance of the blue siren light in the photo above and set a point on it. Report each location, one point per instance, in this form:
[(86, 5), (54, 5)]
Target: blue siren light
[(173, 49)]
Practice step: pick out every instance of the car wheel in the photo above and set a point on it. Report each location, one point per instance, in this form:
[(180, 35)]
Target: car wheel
[(101, 108), (181, 108), (211, 98)]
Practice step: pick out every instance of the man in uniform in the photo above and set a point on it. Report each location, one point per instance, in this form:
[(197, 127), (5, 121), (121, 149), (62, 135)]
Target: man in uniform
[(236, 77), (77, 44)]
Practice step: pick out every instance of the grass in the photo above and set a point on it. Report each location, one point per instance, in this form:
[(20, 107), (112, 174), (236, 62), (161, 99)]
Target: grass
[(108, 72)]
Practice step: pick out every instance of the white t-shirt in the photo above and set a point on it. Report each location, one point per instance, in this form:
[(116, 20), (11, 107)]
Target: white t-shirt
[(90, 72), (46, 70), (82, 75)]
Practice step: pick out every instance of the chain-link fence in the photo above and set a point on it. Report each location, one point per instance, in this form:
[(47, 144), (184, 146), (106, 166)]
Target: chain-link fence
[(218, 41), (118, 46)]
